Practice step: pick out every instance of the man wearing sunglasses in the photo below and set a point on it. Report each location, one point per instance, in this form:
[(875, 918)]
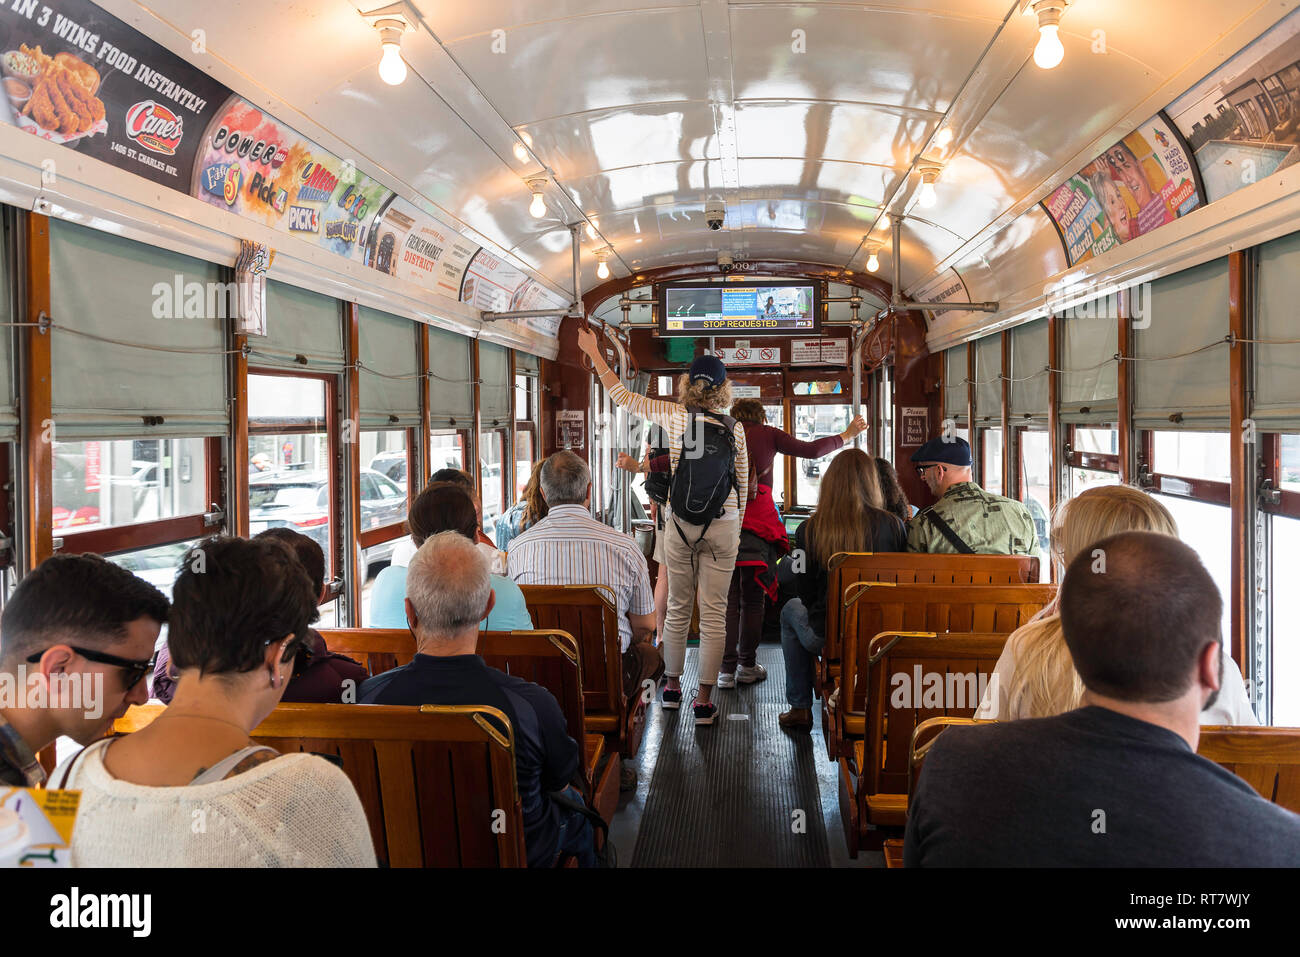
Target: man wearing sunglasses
[(76, 641), (965, 519)]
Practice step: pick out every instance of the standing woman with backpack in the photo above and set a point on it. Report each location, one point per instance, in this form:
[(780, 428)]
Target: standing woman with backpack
[(710, 487)]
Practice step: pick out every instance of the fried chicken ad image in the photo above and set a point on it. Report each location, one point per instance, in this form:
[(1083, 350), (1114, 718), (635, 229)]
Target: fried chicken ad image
[(62, 100)]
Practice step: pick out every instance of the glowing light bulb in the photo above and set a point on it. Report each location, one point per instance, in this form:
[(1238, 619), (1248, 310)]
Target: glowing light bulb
[(872, 263), (602, 271), (927, 197), (1049, 51), (392, 68), (538, 206)]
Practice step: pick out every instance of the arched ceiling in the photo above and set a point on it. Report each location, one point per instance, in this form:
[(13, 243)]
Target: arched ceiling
[(805, 119)]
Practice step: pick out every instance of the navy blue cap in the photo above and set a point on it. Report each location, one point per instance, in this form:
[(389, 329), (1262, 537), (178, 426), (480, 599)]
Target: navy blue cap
[(708, 368), (953, 451)]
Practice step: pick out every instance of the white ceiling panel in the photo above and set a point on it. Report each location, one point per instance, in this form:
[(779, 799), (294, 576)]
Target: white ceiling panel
[(882, 136)]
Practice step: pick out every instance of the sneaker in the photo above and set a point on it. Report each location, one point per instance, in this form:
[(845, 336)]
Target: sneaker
[(748, 676), (627, 778), (726, 680), (672, 700), (705, 711)]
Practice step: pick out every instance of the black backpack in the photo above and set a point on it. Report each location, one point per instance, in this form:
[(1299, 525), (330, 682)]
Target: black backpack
[(706, 470), (657, 483)]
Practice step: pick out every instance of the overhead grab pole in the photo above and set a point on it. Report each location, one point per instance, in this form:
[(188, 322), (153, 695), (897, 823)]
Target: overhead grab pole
[(897, 301)]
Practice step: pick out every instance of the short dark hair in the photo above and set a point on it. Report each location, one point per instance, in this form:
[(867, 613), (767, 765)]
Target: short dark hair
[(232, 597), (442, 507), (1137, 609), (459, 476), (749, 410), (307, 549), (81, 599)]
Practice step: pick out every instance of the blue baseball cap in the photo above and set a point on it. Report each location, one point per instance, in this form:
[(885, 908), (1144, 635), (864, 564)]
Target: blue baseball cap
[(708, 368), (953, 451)]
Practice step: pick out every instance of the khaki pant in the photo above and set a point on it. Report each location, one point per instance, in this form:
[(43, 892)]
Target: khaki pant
[(704, 566)]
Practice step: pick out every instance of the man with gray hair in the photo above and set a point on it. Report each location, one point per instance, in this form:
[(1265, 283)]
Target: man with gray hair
[(448, 592), (569, 547)]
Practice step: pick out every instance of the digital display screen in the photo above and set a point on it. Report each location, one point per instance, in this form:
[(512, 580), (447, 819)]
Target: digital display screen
[(729, 309)]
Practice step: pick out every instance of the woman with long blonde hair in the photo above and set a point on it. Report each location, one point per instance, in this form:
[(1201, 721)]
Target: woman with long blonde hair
[(850, 517), (1035, 676)]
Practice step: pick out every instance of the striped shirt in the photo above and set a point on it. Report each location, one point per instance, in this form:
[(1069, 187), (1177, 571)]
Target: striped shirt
[(673, 418), (569, 547)]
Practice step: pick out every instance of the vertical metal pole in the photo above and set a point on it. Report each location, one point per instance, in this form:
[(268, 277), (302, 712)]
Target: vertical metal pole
[(856, 359), (896, 228)]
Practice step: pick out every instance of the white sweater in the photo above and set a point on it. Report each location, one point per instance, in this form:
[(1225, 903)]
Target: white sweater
[(297, 810)]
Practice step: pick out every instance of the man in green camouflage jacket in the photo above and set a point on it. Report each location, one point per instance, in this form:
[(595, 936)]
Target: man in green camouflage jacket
[(966, 518)]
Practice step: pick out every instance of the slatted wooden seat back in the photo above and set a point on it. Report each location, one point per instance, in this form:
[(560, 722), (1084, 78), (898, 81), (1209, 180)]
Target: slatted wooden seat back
[(1268, 759), (137, 716), (437, 782), (590, 614), (882, 606), (551, 659), (845, 568), (378, 649)]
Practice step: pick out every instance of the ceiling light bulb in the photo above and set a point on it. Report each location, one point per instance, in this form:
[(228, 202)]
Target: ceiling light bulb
[(392, 68), (872, 262), (927, 197), (1049, 51), (602, 271), (538, 206)]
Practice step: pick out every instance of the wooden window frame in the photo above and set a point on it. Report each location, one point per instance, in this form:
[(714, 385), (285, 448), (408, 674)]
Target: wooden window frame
[(1199, 489), (388, 533)]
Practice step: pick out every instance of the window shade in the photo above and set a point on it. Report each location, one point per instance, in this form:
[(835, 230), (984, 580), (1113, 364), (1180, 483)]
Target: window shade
[(527, 364), (1090, 372), (1029, 359), (988, 380), (954, 384), (299, 323), (451, 393), (389, 380), (494, 389), (1187, 310), (118, 289), (1277, 367)]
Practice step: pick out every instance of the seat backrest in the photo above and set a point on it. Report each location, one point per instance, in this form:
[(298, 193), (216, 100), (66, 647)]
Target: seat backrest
[(912, 677), (923, 736), (1268, 759), (137, 716), (437, 782), (590, 614), (546, 657), (379, 649), (845, 568)]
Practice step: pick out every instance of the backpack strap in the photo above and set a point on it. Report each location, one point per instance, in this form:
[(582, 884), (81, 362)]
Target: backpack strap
[(946, 531), (67, 771)]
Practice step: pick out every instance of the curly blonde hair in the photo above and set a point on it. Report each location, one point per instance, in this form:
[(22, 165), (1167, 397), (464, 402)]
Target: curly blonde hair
[(705, 396), (1045, 682)]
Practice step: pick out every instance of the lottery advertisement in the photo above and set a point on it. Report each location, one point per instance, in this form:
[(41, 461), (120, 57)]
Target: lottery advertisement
[(1138, 185), (77, 77)]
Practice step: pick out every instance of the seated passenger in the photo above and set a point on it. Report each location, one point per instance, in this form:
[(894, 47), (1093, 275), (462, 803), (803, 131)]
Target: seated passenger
[(443, 507), (191, 789), (850, 517), (403, 551), (896, 502), (966, 518), (448, 592), (1116, 782), (525, 513), (319, 675), (76, 641), (1034, 677), (569, 547)]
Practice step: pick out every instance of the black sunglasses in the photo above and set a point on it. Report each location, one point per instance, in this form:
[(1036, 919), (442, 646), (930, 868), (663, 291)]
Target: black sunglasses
[(135, 670)]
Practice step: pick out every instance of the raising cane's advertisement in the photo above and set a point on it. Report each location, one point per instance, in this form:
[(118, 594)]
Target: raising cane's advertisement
[(77, 77), (1142, 182)]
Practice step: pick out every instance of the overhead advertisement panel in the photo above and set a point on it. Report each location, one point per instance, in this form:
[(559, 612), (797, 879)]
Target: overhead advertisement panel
[(1242, 121), (1138, 185), (79, 78)]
